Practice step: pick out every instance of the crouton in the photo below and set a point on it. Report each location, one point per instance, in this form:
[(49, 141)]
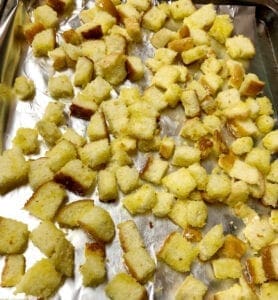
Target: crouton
[(178, 213), (59, 58), (224, 268), (27, 140), (93, 269), (30, 30), (149, 145), (141, 127), (190, 103), (212, 123), (201, 18), (54, 112), (228, 98), (162, 37), (259, 158), (107, 186), (50, 132), (95, 153), (45, 15), (273, 220), (115, 43), (127, 178), (123, 286), (60, 87), (185, 156), (244, 127), (221, 28), (140, 5), (265, 123), (193, 129), (234, 292), (270, 141), (191, 287), (211, 82), (94, 50), (155, 97), (269, 261), (135, 68), (236, 72), (72, 37), (255, 271), (242, 145), (194, 54), (181, 9), (83, 71), (154, 170), (163, 204), (41, 280), (218, 187), (69, 215), (265, 106), (172, 94), (72, 136), (13, 270), (24, 88), (177, 252), (273, 173), (211, 242), (98, 222), (239, 46), (269, 290), (98, 89), (97, 129), (251, 85), (61, 6), (271, 194), (167, 147), (154, 19), (127, 10), (239, 193), (165, 76), (133, 29), (43, 42), (90, 30), (199, 174), (246, 213), (211, 65), (72, 54), (243, 171), (232, 247)]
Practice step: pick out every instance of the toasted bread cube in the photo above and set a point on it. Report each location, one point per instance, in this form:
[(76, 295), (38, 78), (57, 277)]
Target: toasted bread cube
[(199, 36), (72, 54), (127, 178), (200, 175), (149, 145), (72, 37), (129, 95), (271, 194), (180, 183), (258, 233), (243, 171), (107, 186), (135, 68), (265, 123), (185, 156), (269, 290), (83, 72), (256, 273), (141, 5), (72, 136), (269, 261), (41, 280), (141, 127), (93, 270), (98, 89), (166, 76), (234, 292), (43, 42), (30, 30), (191, 288), (124, 286), (155, 97), (27, 140), (246, 213), (16, 170), (45, 202), (233, 247), (60, 154), (228, 98), (259, 158), (60, 87), (61, 6), (127, 10), (95, 50), (165, 56), (50, 132), (13, 270), (119, 157), (211, 65), (211, 242), (76, 177), (245, 127), (181, 45), (224, 268), (13, 236), (172, 94), (236, 72), (162, 37), (177, 252), (190, 103), (239, 193), (218, 187), (154, 19), (90, 30), (115, 43), (95, 154), (273, 173), (97, 129), (193, 129), (54, 113), (270, 141), (167, 147), (163, 204), (98, 222), (201, 18), (212, 123), (178, 213), (133, 29), (24, 88), (239, 46), (181, 9), (242, 145), (59, 58), (45, 15), (221, 28), (251, 85), (194, 54), (211, 82), (140, 201), (154, 170), (39, 172)]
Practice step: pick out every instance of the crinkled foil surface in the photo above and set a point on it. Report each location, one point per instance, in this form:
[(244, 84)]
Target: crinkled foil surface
[(154, 230)]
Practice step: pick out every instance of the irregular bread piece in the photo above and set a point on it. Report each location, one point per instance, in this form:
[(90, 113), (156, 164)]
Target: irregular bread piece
[(24, 88), (269, 260), (107, 185), (224, 268), (154, 170), (13, 270)]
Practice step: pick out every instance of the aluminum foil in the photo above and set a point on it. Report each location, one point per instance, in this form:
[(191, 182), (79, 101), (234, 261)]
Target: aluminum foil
[(153, 230)]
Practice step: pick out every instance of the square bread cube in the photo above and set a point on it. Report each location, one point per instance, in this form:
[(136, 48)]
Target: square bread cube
[(211, 82), (76, 177), (46, 201), (43, 42), (167, 147), (236, 72), (95, 50), (72, 37), (181, 45), (218, 187), (199, 173), (59, 58), (221, 28), (155, 97), (265, 106), (129, 95), (154, 19), (200, 37), (127, 10), (60, 87), (123, 286), (154, 170), (240, 46), (165, 76), (135, 68), (72, 54), (212, 65), (141, 127), (190, 103), (193, 129), (54, 112), (270, 197), (13, 270), (27, 140), (185, 156), (232, 247), (115, 43), (243, 171), (24, 88), (127, 178), (180, 183), (177, 252), (270, 141), (251, 85), (45, 15), (50, 132), (192, 55), (107, 186), (83, 106), (245, 127), (97, 128), (269, 260), (162, 37), (202, 17), (172, 94), (73, 137), (90, 30), (256, 273), (30, 30), (259, 158), (242, 145), (83, 71), (163, 204), (178, 213), (265, 123), (224, 268), (191, 288)]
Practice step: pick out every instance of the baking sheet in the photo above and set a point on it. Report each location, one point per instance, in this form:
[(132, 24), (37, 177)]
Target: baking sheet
[(154, 230)]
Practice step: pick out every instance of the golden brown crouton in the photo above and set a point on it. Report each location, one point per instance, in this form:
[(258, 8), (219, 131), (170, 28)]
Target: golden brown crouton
[(233, 247), (31, 29), (269, 261), (255, 270)]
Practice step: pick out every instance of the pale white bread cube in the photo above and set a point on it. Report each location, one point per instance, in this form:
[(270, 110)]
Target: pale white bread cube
[(123, 286), (270, 141), (193, 129), (259, 158), (211, 82), (76, 177), (90, 30), (127, 178), (140, 201), (54, 112), (24, 88), (191, 288), (27, 140), (83, 105), (129, 95), (265, 123), (154, 170), (162, 37), (163, 204), (236, 73), (244, 127), (97, 129), (228, 98), (190, 103), (13, 236), (200, 175), (60, 154), (194, 54), (61, 6), (233, 247), (132, 30), (221, 28), (60, 87), (239, 193), (177, 252), (83, 71), (69, 215), (95, 153), (45, 15), (39, 172), (107, 186), (41, 280), (49, 131), (240, 46), (141, 127), (242, 145), (46, 201), (43, 42), (201, 18), (94, 50), (270, 197), (218, 187), (135, 68), (211, 242), (273, 220), (273, 173), (155, 97), (93, 269), (259, 233), (140, 5), (98, 223), (269, 261), (116, 115), (224, 268), (254, 267), (251, 85), (16, 170), (13, 270), (181, 9), (185, 156), (180, 183), (72, 136), (154, 19), (269, 291), (212, 123), (115, 43), (167, 147), (98, 89), (30, 30), (245, 172)]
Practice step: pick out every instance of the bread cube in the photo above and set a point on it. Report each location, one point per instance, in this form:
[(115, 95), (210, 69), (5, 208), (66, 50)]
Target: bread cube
[(95, 153), (269, 261), (132, 29), (140, 5), (60, 87), (211, 65), (97, 128), (154, 19), (165, 56), (141, 127), (24, 88), (200, 37), (61, 6), (177, 252), (273, 220), (240, 46), (13, 270), (129, 95), (265, 123), (191, 287), (165, 76), (271, 194), (211, 242), (141, 201), (167, 147), (83, 71), (178, 214), (185, 156), (218, 187), (234, 292), (259, 158), (60, 154), (41, 280), (72, 136), (228, 98), (212, 123), (54, 112), (243, 171), (72, 37), (199, 174), (162, 37), (115, 43), (224, 268), (269, 290), (245, 212), (270, 141), (69, 215), (127, 178), (149, 145), (98, 222), (127, 10), (155, 97), (163, 204), (273, 173), (194, 54), (43, 42), (239, 193), (242, 145), (90, 30), (233, 247), (95, 50), (190, 103), (107, 186), (135, 68), (172, 94), (201, 18), (50, 132), (93, 269), (72, 54), (181, 9), (245, 127), (120, 157), (221, 28), (265, 106), (59, 58), (180, 183), (123, 286), (236, 72), (251, 85), (211, 82), (256, 273), (16, 170), (45, 15), (193, 129), (98, 89), (27, 140), (30, 30), (154, 170), (13, 236)]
